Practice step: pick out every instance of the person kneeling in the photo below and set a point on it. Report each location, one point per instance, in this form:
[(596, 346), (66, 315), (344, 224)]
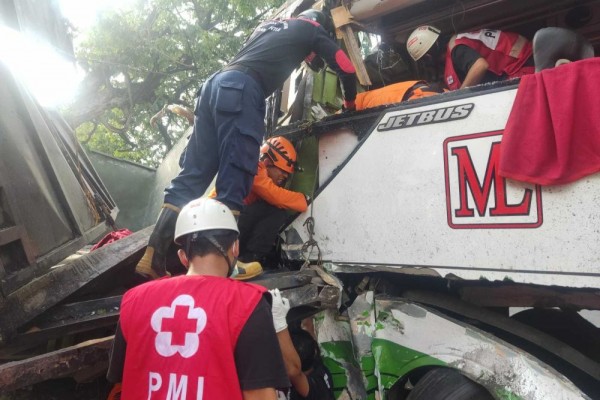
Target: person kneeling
[(267, 205)]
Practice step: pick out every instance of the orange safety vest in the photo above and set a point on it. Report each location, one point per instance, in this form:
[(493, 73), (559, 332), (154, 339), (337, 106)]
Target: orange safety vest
[(505, 52)]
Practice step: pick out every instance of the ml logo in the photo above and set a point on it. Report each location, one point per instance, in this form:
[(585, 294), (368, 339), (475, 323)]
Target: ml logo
[(477, 197)]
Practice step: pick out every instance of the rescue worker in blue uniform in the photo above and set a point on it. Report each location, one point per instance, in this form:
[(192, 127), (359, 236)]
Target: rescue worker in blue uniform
[(229, 119)]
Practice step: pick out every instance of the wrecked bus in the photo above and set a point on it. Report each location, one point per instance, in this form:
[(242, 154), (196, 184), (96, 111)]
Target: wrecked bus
[(456, 278)]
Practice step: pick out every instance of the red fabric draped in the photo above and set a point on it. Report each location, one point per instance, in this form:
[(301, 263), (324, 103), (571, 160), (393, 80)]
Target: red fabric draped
[(553, 132)]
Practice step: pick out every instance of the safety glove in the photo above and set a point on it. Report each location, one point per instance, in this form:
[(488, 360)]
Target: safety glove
[(280, 308)]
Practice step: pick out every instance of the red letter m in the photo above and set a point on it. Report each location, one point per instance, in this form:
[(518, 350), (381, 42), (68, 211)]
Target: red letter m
[(468, 179)]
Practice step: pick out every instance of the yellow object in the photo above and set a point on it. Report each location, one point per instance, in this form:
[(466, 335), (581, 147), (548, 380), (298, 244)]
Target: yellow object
[(144, 266), (245, 271)]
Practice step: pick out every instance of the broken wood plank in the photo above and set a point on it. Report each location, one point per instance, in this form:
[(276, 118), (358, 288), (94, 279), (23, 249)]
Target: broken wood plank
[(343, 20), (66, 313), (62, 320), (57, 364), (48, 290), (28, 344)]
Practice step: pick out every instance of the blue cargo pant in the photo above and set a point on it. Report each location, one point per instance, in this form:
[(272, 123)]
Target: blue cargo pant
[(228, 131)]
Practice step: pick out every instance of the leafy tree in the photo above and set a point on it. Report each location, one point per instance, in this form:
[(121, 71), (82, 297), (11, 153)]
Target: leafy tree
[(141, 59)]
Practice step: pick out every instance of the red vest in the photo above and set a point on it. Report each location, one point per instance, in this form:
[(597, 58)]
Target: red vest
[(181, 335), (505, 52)]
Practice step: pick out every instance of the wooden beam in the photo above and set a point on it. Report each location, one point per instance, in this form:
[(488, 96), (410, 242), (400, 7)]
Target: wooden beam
[(57, 364), (526, 296), (81, 310), (343, 21), (23, 342), (67, 319), (41, 294)]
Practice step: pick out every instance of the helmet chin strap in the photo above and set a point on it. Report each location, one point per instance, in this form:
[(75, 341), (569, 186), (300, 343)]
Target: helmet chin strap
[(231, 266), (230, 263)]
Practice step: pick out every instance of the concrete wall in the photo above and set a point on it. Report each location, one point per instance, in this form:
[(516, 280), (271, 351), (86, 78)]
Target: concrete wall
[(131, 185), (138, 190)]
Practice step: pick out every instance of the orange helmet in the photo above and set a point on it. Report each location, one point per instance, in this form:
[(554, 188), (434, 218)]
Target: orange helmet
[(281, 152)]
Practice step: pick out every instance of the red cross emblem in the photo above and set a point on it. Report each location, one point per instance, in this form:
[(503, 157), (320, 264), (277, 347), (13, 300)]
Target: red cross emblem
[(178, 327)]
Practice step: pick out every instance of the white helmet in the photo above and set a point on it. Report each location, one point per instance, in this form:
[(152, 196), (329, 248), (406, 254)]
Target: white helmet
[(203, 215), (420, 41)]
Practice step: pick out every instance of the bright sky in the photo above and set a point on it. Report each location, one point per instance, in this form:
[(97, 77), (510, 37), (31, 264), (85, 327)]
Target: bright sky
[(83, 13), (51, 79)]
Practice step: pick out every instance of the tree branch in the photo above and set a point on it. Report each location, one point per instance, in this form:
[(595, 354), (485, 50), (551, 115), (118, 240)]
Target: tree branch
[(128, 86), (90, 133), (122, 132), (165, 135)]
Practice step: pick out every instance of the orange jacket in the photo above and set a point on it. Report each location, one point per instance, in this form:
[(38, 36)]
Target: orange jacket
[(390, 94), (264, 188)]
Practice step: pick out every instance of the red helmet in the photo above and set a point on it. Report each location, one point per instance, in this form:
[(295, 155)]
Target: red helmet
[(281, 152)]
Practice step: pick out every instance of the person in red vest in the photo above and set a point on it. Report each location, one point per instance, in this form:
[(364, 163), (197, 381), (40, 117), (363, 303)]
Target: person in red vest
[(266, 206), (475, 57), (200, 335)]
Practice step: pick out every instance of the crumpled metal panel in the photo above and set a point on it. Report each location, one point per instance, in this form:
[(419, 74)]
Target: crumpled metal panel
[(384, 339), (500, 367)]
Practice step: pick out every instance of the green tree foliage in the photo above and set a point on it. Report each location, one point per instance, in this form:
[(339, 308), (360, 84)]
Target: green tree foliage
[(156, 53)]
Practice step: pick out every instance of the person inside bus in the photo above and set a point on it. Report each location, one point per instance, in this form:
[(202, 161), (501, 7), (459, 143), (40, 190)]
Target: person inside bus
[(476, 57), (267, 205), (310, 379), (396, 93)]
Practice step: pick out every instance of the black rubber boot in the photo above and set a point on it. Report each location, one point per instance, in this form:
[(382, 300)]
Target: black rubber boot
[(153, 263)]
